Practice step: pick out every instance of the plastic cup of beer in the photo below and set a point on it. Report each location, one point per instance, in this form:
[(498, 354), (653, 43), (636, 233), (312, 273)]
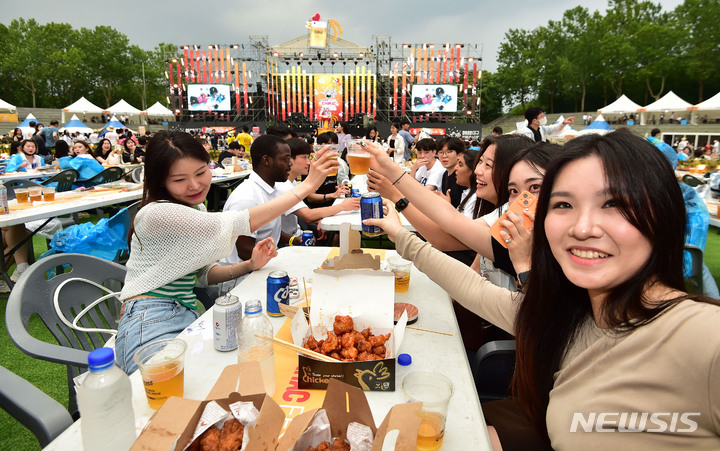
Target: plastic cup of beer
[(22, 195), (401, 268), (333, 148), (49, 193), (357, 157), (35, 193), (162, 367), (434, 390)]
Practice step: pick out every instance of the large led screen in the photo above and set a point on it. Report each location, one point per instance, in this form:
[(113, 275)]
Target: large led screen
[(434, 98), (208, 97)]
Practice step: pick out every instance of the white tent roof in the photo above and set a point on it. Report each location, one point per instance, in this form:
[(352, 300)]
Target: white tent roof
[(4, 106), (158, 110), (621, 105), (76, 125), (82, 105), (669, 102), (599, 127), (713, 104), (122, 107)]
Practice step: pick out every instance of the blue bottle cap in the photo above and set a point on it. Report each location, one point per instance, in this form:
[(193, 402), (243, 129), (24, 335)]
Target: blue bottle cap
[(101, 358), (404, 359)]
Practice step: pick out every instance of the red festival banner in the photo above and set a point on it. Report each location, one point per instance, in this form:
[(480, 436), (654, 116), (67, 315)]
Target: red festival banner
[(245, 86), (404, 89), (474, 85), (452, 65), (395, 90), (465, 84), (237, 89), (431, 72), (328, 97), (179, 82), (412, 65)]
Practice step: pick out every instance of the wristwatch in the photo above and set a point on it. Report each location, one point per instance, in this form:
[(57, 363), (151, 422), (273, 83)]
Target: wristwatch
[(401, 204), (523, 277)]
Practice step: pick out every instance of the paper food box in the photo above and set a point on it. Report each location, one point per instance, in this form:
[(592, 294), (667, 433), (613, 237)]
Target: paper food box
[(174, 425), (352, 285), (346, 415)]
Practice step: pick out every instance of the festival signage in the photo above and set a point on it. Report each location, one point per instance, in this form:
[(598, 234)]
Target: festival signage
[(328, 96), (318, 34)]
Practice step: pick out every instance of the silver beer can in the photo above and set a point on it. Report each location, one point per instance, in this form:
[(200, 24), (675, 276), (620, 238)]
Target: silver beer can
[(227, 313)]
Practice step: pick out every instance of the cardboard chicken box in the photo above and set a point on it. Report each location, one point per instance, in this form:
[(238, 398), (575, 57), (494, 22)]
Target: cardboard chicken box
[(343, 415), (174, 425), (353, 286)]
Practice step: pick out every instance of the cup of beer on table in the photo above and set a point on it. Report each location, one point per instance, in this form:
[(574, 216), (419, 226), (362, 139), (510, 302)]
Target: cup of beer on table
[(434, 390), (162, 367), (48, 193), (22, 195), (401, 268), (357, 157), (333, 148), (35, 193)]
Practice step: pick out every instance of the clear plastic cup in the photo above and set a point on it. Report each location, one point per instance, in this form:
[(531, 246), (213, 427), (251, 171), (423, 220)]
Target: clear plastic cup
[(333, 148), (35, 193), (401, 268), (357, 157), (162, 367), (434, 390), (48, 193), (22, 195)]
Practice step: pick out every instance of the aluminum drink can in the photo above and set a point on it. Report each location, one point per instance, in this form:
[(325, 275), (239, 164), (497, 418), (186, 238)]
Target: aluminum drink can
[(278, 292), (371, 207), (227, 313), (308, 239), (354, 192)]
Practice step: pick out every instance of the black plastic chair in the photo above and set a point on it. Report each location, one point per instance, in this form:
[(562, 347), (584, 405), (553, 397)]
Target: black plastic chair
[(694, 283), (493, 367), (33, 295), (692, 181), (12, 185), (64, 179), (111, 174), (42, 415)]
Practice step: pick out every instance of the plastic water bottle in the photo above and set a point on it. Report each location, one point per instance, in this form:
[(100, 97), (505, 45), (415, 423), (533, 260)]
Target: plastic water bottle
[(105, 402), (211, 164), (3, 200), (253, 348)]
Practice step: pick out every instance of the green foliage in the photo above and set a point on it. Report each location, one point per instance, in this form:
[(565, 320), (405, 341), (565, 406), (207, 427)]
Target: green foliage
[(52, 65), (587, 60)]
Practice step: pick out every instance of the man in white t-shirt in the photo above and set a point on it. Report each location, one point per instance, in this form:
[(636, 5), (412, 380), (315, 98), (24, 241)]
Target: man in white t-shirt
[(427, 169), (112, 136), (271, 166)]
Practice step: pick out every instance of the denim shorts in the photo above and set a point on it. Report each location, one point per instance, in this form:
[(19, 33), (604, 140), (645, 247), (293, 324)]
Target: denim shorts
[(145, 320)]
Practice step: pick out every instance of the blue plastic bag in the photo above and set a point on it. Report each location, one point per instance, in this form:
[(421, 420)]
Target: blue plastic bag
[(103, 239), (86, 167)]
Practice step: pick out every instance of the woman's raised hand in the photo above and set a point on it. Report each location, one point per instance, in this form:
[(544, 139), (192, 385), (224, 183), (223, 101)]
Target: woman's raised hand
[(390, 222), (324, 163), (262, 253), (383, 163), (520, 239)]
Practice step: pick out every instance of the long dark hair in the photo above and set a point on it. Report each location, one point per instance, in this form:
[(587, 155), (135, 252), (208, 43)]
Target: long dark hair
[(163, 150), (99, 148), (470, 157), (647, 194)]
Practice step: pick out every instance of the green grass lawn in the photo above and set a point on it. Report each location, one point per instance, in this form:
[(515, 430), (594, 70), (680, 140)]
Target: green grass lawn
[(52, 378)]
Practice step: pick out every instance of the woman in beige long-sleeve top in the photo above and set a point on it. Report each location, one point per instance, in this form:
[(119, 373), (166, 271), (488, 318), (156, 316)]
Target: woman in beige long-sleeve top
[(612, 353)]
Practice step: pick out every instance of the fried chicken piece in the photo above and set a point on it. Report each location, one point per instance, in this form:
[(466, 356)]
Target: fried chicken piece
[(335, 356), (378, 340), (331, 344), (311, 344), (364, 346), (349, 354), (324, 446), (210, 439), (366, 333), (380, 351), (340, 445), (231, 435), (347, 341), (343, 325), (365, 356)]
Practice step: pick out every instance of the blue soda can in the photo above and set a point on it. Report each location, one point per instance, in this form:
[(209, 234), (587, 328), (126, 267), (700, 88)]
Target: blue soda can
[(355, 192), (371, 207), (278, 292), (308, 239)]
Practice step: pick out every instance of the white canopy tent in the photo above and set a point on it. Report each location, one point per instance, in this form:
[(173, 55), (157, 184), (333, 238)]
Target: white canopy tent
[(25, 126), (599, 126), (711, 104), (157, 110), (6, 107), (122, 107), (83, 106), (670, 102), (622, 105)]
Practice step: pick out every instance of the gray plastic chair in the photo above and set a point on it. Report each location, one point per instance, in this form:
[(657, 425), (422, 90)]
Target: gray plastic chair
[(493, 367), (12, 185), (694, 283), (42, 415), (33, 295), (64, 179)]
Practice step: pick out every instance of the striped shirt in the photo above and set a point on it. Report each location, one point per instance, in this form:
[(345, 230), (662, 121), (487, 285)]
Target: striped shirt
[(181, 290)]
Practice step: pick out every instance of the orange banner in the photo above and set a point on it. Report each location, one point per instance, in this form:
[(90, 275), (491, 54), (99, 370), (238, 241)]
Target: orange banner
[(328, 98)]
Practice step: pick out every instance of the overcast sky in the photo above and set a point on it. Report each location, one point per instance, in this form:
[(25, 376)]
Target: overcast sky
[(150, 22)]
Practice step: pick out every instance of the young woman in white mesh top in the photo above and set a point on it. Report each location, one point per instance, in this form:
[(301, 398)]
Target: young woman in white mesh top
[(176, 242)]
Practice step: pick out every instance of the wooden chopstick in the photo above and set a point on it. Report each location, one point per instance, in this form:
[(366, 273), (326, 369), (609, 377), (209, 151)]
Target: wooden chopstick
[(296, 348), (428, 330)]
